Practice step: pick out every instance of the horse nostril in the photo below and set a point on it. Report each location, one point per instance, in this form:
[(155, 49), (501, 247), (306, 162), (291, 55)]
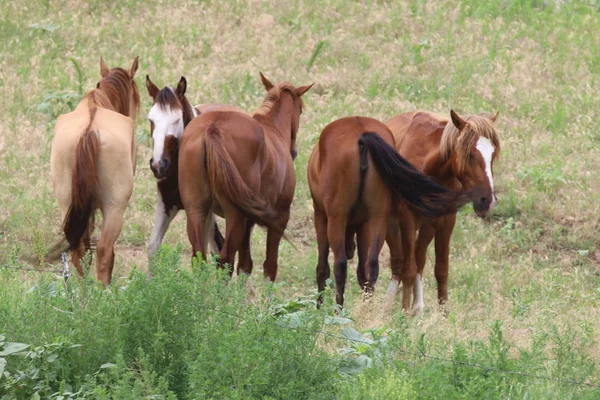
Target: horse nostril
[(163, 164)]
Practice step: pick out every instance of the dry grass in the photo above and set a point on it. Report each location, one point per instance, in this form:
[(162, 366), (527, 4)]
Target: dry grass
[(535, 263)]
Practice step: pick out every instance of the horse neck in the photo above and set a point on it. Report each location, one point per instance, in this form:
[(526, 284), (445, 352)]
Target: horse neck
[(189, 112), (441, 169), (281, 116)]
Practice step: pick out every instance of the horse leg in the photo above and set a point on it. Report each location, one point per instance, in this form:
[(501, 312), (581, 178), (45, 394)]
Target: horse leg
[(350, 245), (245, 263), (375, 229), (426, 233), (273, 240), (213, 234), (199, 217), (394, 242), (235, 228), (111, 229), (362, 245), (336, 234), (409, 272), (442, 253), (323, 271), (162, 220)]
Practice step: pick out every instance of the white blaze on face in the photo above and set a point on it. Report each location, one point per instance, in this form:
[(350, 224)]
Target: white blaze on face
[(485, 147), (166, 122)]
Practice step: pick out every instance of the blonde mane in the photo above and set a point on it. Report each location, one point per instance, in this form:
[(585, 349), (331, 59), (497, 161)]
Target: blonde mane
[(462, 142), (273, 97)]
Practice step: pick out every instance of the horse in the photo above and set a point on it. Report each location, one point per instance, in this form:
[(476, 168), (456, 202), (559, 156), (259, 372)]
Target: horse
[(457, 154), (241, 167), (92, 164), (170, 113), (355, 178)]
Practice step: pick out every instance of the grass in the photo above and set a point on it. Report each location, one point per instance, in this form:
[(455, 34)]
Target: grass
[(524, 284)]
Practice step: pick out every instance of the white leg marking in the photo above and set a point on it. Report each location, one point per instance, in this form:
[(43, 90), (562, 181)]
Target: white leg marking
[(391, 294), (393, 288), (485, 147), (209, 233), (161, 224), (419, 304)]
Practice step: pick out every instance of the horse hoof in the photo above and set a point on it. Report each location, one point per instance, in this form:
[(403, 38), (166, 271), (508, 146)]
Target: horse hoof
[(417, 310)]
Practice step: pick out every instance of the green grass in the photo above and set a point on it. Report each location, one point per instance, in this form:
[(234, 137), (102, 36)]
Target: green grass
[(524, 284)]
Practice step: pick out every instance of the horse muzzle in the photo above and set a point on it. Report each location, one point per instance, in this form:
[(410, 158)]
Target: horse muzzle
[(160, 168)]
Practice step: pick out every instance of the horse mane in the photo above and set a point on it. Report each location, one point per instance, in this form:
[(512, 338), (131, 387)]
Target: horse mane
[(461, 142), (116, 87), (273, 96), (168, 100)]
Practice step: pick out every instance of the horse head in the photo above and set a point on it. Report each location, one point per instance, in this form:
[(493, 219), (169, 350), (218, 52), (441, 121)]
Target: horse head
[(168, 116), (472, 145)]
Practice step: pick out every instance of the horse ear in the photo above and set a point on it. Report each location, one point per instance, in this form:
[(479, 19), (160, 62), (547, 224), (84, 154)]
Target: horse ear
[(303, 89), (134, 67), (266, 83), (181, 87), (152, 88), (103, 68), (495, 116), (457, 120)]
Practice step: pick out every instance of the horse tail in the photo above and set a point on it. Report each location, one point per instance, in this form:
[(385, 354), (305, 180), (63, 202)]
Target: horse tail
[(421, 193), (84, 185), (225, 179)]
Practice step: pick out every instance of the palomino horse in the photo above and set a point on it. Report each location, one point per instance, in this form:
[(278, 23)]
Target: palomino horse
[(356, 177), (171, 112), (93, 162), (242, 168), (457, 154)]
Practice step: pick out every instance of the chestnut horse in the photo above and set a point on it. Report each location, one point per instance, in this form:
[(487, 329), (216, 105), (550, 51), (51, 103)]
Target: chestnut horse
[(242, 168), (170, 113), (356, 178), (457, 154), (92, 164)]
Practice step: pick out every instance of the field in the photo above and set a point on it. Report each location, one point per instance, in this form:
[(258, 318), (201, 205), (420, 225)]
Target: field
[(523, 319)]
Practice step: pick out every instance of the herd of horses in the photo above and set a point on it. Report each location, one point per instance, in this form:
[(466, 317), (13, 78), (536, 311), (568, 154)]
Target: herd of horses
[(399, 182)]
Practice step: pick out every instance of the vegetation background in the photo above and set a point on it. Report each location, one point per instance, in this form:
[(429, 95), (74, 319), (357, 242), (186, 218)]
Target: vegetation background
[(524, 285)]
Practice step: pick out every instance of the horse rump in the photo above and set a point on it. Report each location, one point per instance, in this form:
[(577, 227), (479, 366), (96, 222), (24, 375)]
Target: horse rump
[(225, 179), (421, 193), (83, 189)]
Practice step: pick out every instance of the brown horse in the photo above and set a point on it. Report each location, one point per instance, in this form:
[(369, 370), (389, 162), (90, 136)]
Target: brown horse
[(242, 168), (92, 164), (170, 113), (356, 178), (457, 154)]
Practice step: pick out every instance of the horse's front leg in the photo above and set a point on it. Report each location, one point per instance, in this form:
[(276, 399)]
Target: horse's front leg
[(162, 220)]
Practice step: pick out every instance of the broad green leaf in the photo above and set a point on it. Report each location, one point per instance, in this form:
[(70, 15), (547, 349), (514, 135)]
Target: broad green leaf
[(11, 348), (355, 336), (2, 366), (107, 365)]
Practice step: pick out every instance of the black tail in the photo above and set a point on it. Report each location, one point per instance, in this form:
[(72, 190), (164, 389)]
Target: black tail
[(421, 193)]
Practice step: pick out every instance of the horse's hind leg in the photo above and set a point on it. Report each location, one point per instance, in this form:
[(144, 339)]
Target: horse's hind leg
[(273, 240), (394, 242), (323, 270), (235, 228), (111, 229), (245, 257), (372, 236), (336, 234)]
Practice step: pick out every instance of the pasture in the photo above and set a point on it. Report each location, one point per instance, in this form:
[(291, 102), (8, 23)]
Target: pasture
[(523, 316)]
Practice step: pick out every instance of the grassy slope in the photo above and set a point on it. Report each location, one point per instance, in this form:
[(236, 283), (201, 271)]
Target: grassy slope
[(534, 265)]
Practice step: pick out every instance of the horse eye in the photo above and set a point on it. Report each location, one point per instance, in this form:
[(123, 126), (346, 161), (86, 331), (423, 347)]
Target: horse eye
[(176, 122)]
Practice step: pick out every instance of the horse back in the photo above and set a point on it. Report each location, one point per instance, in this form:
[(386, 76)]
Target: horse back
[(417, 134), (336, 164)]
